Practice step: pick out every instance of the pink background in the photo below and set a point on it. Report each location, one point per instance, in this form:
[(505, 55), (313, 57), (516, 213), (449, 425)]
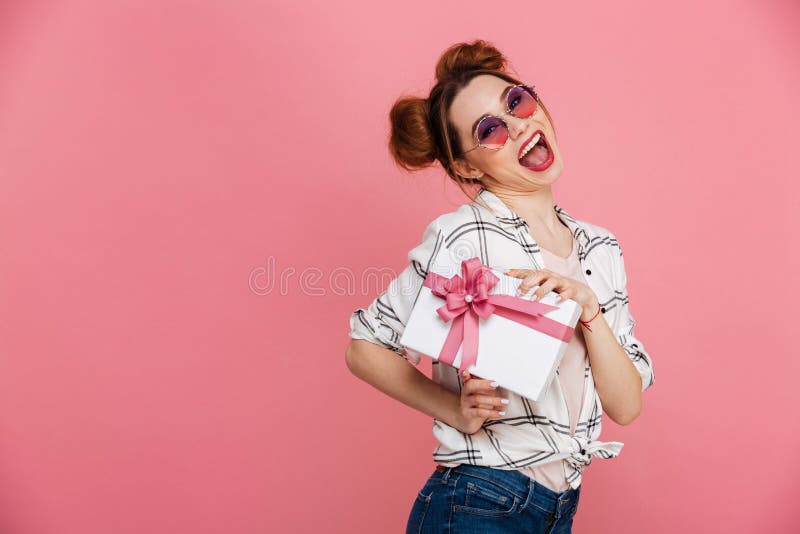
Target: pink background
[(154, 156)]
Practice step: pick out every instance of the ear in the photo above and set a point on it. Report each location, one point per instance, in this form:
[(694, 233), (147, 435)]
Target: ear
[(463, 168)]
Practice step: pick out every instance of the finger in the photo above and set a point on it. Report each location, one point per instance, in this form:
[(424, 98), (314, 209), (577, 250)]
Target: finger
[(481, 385), (529, 281), (484, 413), (489, 405), (493, 410), (565, 294), (568, 293), (476, 385), (546, 288), (489, 401), (517, 273)]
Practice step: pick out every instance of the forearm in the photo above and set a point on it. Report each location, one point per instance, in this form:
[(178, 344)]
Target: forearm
[(616, 379), (398, 378)]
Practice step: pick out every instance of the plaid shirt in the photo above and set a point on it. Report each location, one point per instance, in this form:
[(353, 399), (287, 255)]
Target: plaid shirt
[(531, 432)]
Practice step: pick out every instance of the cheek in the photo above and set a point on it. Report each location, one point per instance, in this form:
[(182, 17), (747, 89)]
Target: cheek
[(554, 143), (501, 162)]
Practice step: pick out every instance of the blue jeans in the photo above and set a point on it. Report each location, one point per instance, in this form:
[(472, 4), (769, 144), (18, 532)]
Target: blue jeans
[(475, 499)]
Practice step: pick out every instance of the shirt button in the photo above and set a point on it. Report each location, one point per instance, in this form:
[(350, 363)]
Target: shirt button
[(603, 310), (583, 451), (588, 271)]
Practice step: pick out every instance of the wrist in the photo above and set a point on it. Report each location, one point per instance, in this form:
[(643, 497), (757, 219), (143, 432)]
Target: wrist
[(456, 419), (589, 315), (590, 310)]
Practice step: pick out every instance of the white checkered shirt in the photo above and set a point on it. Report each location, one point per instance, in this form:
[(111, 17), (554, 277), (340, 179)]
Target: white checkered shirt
[(531, 432)]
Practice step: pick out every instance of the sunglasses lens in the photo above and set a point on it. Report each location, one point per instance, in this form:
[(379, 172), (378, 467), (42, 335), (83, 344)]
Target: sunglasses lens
[(492, 133), (521, 102)]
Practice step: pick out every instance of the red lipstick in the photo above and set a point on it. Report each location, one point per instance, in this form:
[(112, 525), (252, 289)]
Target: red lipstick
[(550, 156), (528, 140)]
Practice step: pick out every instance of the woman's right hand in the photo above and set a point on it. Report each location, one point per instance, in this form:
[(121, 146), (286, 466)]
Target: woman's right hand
[(479, 402)]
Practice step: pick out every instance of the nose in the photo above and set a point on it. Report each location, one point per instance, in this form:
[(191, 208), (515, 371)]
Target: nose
[(516, 126)]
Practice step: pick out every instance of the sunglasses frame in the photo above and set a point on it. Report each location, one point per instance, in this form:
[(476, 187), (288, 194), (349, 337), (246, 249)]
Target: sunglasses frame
[(507, 111)]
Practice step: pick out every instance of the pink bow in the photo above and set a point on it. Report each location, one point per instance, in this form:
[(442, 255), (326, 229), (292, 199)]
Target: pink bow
[(468, 298)]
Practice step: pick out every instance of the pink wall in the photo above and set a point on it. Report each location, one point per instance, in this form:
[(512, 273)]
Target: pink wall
[(154, 157)]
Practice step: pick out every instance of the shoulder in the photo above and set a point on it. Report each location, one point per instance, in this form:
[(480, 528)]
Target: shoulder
[(600, 244), (597, 235), (599, 232), (458, 229), (466, 214)]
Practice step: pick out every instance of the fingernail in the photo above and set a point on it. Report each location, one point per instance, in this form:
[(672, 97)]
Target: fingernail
[(494, 384), (502, 413), (504, 401)]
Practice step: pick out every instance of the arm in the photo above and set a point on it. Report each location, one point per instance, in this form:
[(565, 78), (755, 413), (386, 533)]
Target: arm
[(633, 346), (621, 367), (615, 378), (396, 377), (375, 354)]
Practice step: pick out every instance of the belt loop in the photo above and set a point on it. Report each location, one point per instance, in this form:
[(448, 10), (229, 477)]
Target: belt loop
[(446, 471), (530, 496), (563, 502)]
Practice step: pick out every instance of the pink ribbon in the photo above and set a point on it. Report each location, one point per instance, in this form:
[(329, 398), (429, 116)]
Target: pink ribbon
[(468, 298)]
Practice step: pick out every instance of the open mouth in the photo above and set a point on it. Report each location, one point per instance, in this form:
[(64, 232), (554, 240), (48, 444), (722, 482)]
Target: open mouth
[(536, 154)]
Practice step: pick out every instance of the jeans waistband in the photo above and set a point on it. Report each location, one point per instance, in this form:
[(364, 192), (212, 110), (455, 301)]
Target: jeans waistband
[(518, 483)]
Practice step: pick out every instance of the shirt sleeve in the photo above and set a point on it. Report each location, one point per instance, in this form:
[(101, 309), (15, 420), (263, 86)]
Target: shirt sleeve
[(625, 329), (384, 320)]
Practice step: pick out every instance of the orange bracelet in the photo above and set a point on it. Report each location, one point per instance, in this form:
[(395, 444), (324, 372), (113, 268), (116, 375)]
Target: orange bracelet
[(586, 323)]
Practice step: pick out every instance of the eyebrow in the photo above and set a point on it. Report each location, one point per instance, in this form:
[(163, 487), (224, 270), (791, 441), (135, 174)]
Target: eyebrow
[(502, 100)]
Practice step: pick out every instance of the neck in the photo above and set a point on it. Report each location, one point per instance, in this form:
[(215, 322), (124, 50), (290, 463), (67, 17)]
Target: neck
[(535, 207)]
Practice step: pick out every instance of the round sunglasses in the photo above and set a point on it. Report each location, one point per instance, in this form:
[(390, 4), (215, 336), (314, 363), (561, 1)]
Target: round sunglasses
[(491, 132)]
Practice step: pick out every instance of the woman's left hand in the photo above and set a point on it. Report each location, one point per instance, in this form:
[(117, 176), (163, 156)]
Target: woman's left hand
[(567, 288)]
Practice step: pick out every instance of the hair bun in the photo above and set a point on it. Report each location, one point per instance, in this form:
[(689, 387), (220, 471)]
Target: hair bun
[(411, 142), (461, 57)]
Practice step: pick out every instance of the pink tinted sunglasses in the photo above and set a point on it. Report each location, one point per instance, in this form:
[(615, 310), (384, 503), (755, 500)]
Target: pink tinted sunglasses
[(491, 132)]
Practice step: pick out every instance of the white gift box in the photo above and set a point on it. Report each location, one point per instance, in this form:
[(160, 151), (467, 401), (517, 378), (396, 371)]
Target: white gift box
[(520, 358)]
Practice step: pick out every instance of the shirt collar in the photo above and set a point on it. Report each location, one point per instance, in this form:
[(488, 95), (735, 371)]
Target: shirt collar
[(510, 219)]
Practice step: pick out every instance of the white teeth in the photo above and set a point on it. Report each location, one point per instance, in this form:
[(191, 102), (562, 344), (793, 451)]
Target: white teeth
[(530, 145)]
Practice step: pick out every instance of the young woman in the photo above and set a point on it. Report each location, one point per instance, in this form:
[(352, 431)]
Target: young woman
[(504, 463)]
